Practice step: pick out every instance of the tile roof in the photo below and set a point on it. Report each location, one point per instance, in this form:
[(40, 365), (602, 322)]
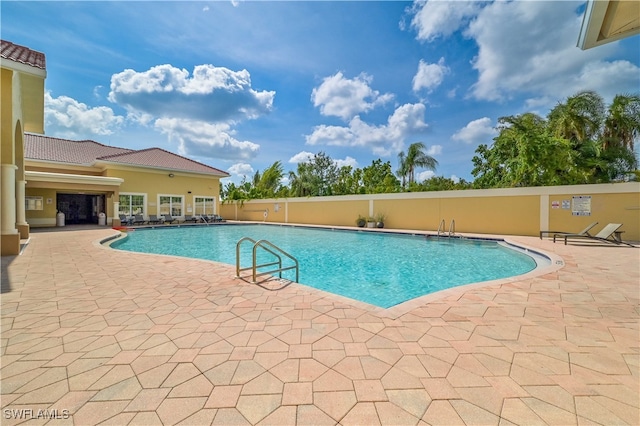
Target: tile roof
[(88, 153), (158, 157), (45, 148), (21, 54)]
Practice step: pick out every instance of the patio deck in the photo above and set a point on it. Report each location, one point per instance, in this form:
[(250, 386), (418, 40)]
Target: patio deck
[(97, 336)]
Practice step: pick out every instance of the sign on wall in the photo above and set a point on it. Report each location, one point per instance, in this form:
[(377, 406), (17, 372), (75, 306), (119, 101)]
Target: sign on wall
[(581, 205)]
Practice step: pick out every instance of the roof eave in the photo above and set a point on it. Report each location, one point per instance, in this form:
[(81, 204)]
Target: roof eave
[(71, 178), (23, 68), (142, 166), (61, 163), (591, 32)]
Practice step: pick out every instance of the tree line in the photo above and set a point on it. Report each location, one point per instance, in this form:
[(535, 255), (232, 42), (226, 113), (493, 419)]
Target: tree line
[(580, 141)]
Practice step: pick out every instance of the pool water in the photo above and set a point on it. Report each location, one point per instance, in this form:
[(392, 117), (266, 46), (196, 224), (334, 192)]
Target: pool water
[(378, 268)]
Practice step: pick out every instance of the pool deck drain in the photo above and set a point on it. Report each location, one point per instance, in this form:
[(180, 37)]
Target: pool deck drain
[(91, 335)]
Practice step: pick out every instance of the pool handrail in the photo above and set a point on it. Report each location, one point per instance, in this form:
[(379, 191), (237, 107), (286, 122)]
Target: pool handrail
[(264, 244)]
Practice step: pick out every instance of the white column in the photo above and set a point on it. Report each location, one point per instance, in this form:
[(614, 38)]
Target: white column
[(8, 207), (21, 218), (544, 212)]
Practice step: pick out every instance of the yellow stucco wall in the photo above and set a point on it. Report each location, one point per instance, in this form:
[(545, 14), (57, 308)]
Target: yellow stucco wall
[(157, 182), (149, 182), (6, 123), (605, 208), (339, 213), (521, 211)]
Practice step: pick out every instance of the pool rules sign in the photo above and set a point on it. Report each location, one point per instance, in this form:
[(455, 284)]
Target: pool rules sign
[(581, 205)]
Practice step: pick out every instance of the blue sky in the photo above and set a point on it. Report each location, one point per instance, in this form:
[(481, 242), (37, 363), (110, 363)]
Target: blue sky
[(239, 85)]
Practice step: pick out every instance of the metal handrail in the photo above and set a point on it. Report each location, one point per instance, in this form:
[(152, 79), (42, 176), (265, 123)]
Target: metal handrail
[(264, 244), (452, 228), (441, 227)]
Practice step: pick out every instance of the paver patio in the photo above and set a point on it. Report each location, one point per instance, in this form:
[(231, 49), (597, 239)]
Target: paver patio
[(92, 335)]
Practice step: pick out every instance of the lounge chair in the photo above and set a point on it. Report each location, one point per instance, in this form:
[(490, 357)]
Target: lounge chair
[(189, 218), (585, 231), (609, 231), (218, 218), (138, 220), (155, 219), (124, 220), (205, 218), (169, 219)]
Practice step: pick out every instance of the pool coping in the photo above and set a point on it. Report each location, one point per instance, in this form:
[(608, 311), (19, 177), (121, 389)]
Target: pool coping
[(556, 262)]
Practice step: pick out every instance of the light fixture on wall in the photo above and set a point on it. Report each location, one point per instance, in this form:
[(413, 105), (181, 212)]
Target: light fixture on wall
[(171, 175)]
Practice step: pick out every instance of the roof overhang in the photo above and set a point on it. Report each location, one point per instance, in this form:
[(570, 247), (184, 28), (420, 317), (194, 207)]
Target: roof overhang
[(608, 20), (72, 182)]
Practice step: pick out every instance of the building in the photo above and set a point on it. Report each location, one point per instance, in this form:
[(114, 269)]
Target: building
[(23, 72), (83, 179)]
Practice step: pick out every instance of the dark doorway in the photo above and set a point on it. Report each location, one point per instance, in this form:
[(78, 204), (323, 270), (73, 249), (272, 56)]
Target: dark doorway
[(81, 208)]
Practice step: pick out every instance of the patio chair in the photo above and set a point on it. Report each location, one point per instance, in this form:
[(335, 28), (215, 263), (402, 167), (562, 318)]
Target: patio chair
[(218, 218), (609, 231), (189, 218), (153, 219), (124, 220), (205, 218), (138, 220), (585, 231), (169, 219)]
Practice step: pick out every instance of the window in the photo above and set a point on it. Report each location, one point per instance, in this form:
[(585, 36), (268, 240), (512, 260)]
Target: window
[(204, 205), (131, 204), (170, 204), (33, 203)]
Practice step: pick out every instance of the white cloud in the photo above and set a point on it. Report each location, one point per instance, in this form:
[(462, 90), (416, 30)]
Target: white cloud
[(301, 157), (349, 161), (476, 132), (434, 150), (436, 18), (342, 97), (212, 94), (241, 169), (196, 111), (201, 139), (530, 47), (382, 140), (65, 117), (427, 174), (526, 48), (429, 76), (455, 178)]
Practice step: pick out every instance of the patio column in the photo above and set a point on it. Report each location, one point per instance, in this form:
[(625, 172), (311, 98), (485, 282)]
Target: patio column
[(8, 224), (10, 236), (21, 218), (116, 210)]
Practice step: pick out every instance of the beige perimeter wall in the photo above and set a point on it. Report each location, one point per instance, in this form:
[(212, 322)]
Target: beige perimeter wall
[(509, 211)]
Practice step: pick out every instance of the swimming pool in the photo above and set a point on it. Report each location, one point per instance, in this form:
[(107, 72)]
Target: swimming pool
[(378, 268)]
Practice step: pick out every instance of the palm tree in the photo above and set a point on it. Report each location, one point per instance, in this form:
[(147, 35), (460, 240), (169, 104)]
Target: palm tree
[(415, 157), (579, 119), (622, 125), (269, 182)]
